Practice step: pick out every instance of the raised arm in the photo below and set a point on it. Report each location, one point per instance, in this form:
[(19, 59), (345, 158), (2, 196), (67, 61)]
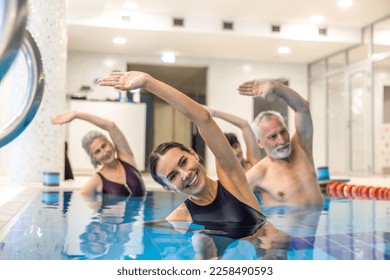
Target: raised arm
[(252, 149), (229, 168), (122, 146), (195, 112), (303, 120)]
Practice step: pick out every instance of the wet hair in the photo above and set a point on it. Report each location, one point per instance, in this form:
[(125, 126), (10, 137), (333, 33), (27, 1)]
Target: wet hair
[(155, 155), (232, 138), (265, 115), (87, 141)]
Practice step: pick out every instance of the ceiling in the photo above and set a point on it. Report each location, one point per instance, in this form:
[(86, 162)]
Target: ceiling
[(149, 29)]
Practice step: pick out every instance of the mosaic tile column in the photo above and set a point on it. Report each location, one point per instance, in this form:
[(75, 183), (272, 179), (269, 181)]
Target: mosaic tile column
[(40, 147)]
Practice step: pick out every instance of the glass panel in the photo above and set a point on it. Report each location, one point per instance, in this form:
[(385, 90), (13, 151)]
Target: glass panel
[(360, 122), (317, 68), (338, 125), (381, 37), (336, 61), (358, 54), (381, 114), (318, 113)]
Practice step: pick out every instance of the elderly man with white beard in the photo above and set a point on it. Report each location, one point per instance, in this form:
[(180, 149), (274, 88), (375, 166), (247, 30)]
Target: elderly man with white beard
[(287, 175)]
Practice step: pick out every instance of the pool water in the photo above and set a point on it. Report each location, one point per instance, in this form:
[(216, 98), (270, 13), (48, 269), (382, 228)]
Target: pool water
[(63, 225)]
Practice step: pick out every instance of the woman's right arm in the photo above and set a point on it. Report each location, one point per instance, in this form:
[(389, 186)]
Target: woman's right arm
[(195, 112), (191, 109)]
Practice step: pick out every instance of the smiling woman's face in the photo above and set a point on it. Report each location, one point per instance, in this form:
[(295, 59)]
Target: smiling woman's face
[(102, 150), (181, 171)]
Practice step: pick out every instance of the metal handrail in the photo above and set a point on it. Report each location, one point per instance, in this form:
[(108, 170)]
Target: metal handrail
[(35, 88), (13, 20)]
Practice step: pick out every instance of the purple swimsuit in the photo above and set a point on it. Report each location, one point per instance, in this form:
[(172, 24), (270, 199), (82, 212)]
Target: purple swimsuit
[(134, 184)]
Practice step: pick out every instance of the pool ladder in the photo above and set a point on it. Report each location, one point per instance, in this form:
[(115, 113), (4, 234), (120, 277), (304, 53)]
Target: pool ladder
[(15, 38)]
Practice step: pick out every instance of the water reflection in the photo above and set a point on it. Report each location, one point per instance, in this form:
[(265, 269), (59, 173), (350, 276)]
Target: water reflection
[(295, 220), (268, 242), (65, 225), (108, 230), (300, 222), (117, 227)]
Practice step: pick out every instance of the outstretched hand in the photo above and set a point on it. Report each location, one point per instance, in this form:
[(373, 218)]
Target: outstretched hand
[(257, 87), (64, 117), (125, 80)]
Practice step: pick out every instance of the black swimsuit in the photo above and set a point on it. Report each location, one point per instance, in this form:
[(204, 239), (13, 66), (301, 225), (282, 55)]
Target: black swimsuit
[(134, 184), (226, 215)]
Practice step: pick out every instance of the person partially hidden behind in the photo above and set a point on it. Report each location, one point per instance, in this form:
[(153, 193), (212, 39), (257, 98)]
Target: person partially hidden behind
[(287, 174), (118, 173), (252, 155)]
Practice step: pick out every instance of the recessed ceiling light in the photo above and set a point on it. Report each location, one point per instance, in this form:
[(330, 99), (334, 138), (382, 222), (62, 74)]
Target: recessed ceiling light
[(317, 19), (129, 5), (119, 40), (344, 3), (284, 50), (168, 58)]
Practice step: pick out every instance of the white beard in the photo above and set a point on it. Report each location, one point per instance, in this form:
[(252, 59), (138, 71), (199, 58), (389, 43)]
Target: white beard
[(279, 153)]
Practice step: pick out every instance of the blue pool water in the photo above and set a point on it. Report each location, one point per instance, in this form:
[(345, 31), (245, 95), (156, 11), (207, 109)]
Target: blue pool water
[(62, 225)]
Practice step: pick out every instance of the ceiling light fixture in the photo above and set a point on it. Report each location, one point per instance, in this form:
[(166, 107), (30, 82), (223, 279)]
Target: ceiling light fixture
[(168, 58), (344, 3), (284, 50), (119, 40)]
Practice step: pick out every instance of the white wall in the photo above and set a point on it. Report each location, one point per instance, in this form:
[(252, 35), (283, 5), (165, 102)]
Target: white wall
[(223, 77)]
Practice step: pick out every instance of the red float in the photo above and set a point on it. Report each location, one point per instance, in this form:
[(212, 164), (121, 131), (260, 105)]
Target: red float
[(340, 190), (374, 193)]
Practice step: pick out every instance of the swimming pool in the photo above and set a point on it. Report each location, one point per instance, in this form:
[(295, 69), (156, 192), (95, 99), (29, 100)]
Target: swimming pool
[(63, 225)]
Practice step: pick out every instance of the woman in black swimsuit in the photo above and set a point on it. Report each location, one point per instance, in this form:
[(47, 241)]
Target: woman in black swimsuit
[(118, 173), (228, 200), (225, 206)]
